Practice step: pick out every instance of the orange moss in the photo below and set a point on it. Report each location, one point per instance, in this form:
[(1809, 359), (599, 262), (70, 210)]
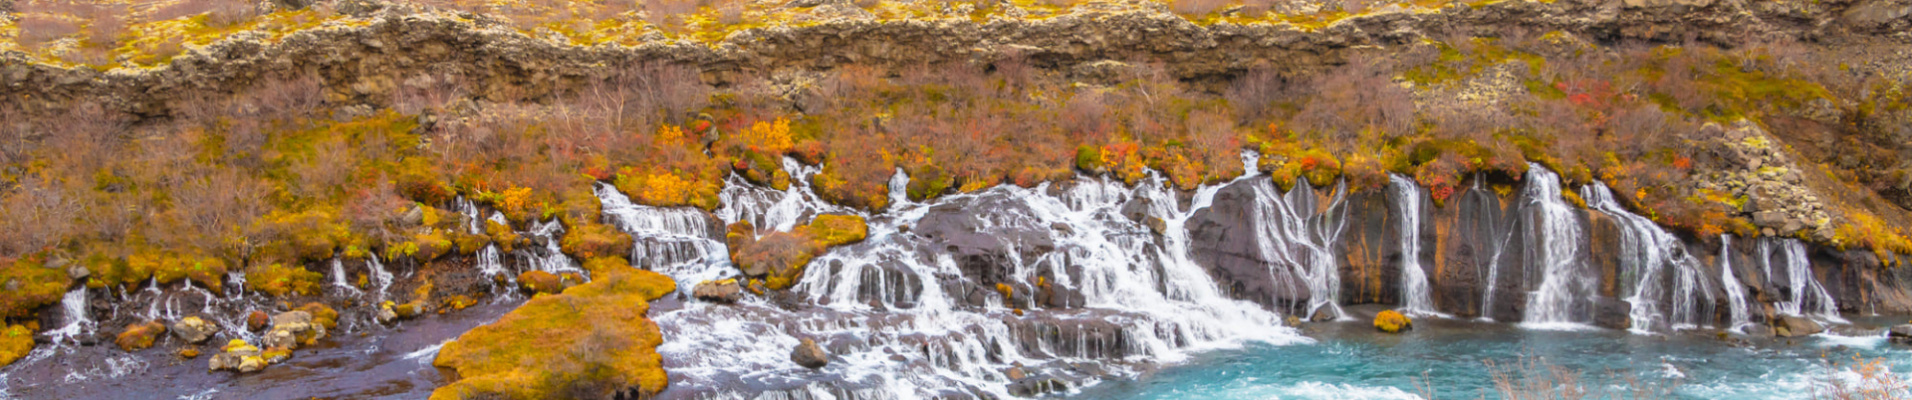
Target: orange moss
[(140, 335), (595, 240), (592, 341)]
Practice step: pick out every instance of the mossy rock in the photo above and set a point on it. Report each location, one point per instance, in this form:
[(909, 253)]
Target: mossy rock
[(588, 241), (541, 282), (139, 336), (836, 230), (322, 315), (590, 342), (29, 286), (209, 272), (1391, 321), (279, 280), (15, 343)]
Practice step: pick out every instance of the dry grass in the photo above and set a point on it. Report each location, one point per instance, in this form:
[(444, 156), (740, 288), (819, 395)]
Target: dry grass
[(1875, 382)]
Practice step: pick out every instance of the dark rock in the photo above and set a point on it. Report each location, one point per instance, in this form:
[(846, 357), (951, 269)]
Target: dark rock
[(809, 355), (1614, 313), (1901, 334), (1757, 330)]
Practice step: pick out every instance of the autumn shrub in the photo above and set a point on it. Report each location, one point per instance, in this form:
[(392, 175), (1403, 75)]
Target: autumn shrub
[(780, 257)]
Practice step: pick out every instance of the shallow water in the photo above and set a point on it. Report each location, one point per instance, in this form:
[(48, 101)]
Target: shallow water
[(1351, 360)]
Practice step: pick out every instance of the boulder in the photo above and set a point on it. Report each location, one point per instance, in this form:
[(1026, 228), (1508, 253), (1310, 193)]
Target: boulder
[(194, 330), (724, 291), (257, 320), (292, 329), (541, 282), (809, 355), (139, 336), (1757, 330), (1391, 321), (238, 356), (1901, 334), (1795, 326)]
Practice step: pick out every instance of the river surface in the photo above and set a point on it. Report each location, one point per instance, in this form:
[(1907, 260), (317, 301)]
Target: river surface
[(1447, 360)]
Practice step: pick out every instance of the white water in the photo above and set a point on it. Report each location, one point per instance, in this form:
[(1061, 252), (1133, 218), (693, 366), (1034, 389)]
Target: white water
[(339, 279), (1735, 292), (1651, 256), (1138, 286), (1557, 248), (78, 320), (1297, 237), (1416, 297), (1805, 296)]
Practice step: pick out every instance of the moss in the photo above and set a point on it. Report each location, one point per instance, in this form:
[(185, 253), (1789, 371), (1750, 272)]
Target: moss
[(502, 235), (783, 255), (140, 335), (1391, 321), (836, 230), (595, 240), (279, 280), (592, 341), (541, 282), (15, 343), (35, 286), (322, 315), (206, 271)]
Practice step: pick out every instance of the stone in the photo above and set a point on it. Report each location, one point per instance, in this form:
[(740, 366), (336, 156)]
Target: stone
[(1016, 373), (1757, 330), (1901, 334), (291, 329), (1391, 321), (809, 355), (194, 330), (78, 272), (1795, 326), (139, 336), (724, 291), (257, 320), (1323, 314)]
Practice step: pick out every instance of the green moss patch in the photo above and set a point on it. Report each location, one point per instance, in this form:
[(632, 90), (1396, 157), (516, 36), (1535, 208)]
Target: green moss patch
[(590, 342)]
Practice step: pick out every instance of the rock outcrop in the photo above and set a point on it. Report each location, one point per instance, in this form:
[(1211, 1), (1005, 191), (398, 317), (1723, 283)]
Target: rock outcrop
[(194, 330), (809, 355)]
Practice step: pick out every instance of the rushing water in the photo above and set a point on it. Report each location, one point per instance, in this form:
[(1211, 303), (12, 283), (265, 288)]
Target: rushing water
[(1357, 363), (1565, 284), (1416, 297)]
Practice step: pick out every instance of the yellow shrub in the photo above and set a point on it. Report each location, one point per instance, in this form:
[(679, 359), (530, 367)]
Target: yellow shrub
[(15, 343), (592, 341), (1391, 321)]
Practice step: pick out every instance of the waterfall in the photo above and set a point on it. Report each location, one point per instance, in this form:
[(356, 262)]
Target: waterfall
[(339, 280), (1415, 295), (1297, 237), (1492, 277), (1655, 259), (1735, 292), (900, 312), (1555, 235), (1804, 295), (380, 277), (76, 319), (551, 258), (666, 240)]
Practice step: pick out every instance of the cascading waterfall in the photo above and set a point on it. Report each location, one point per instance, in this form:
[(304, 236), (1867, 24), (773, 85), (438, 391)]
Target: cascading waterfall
[(1297, 238), (339, 279), (1554, 233), (1492, 277), (671, 241), (1655, 259), (892, 308), (1416, 297), (1735, 292), (78, 321), (1804, 295)]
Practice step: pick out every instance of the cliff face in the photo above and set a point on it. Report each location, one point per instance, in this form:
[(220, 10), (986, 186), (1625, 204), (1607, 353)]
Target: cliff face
[(363, 55)]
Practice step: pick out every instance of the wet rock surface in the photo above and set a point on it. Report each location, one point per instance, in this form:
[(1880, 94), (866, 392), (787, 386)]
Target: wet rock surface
[(809, 355)]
